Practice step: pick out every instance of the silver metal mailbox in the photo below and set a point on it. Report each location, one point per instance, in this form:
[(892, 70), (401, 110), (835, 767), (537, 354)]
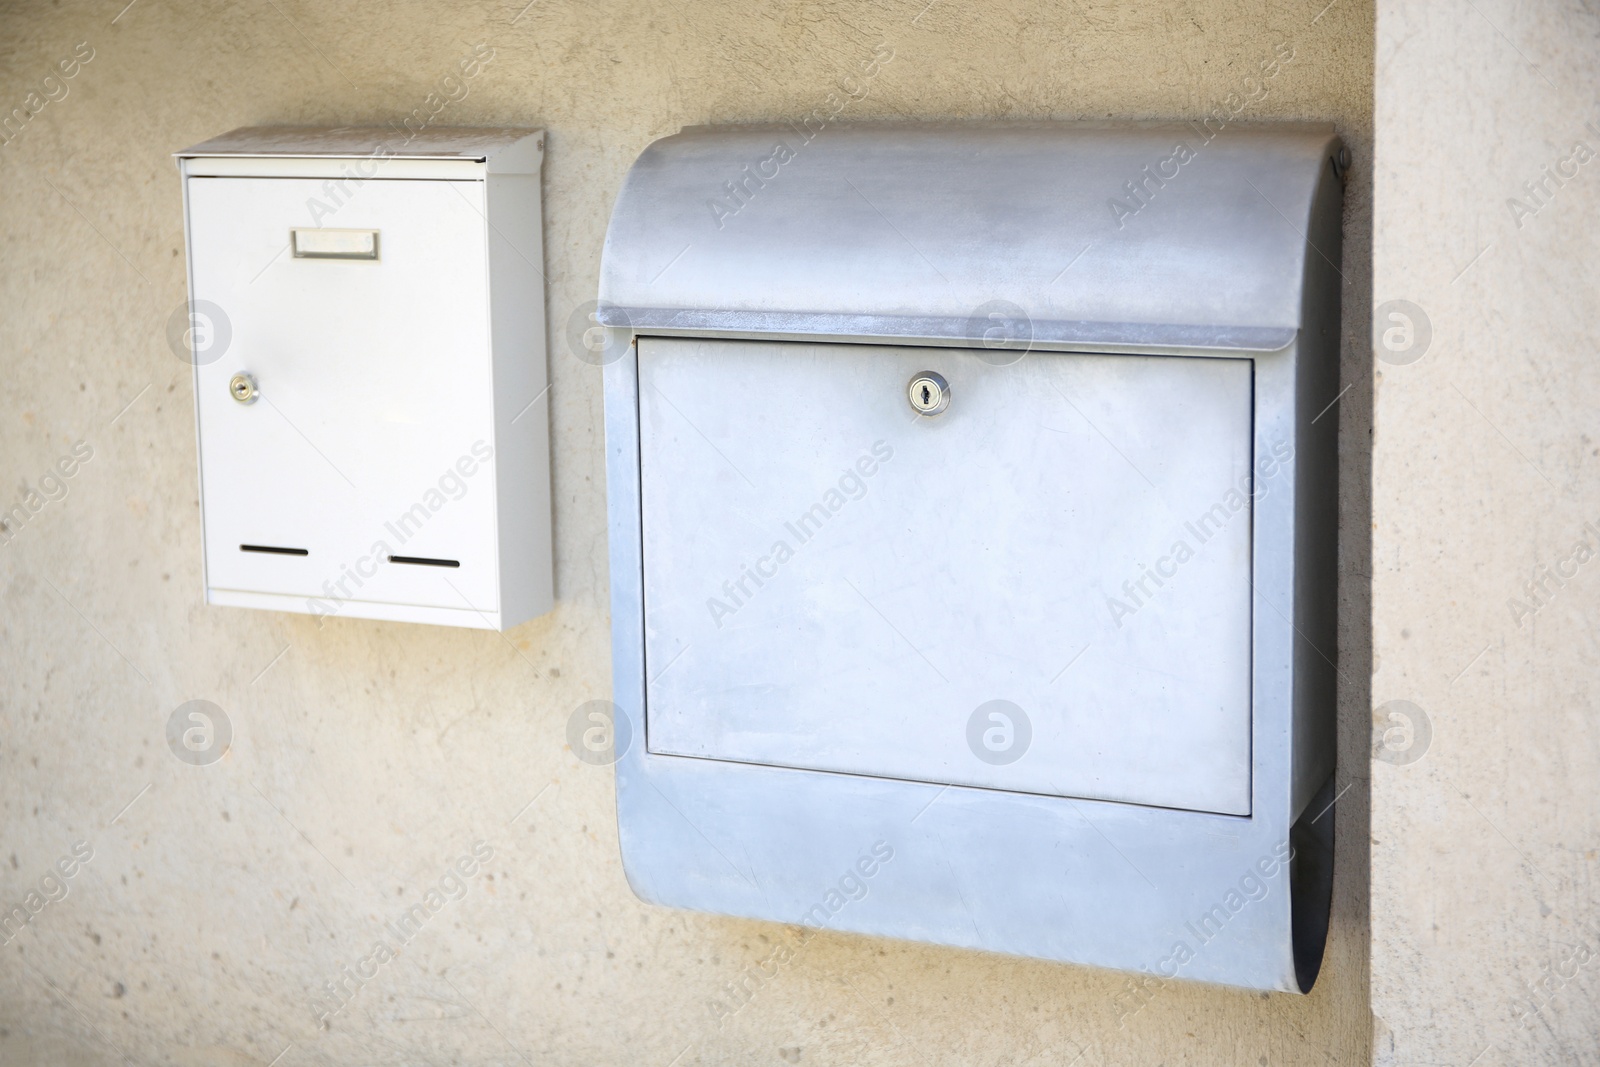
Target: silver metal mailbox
[(973, 522)]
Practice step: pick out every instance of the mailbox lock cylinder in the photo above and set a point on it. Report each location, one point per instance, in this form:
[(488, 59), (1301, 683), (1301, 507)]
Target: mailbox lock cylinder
[(242, 388), (929, 393)]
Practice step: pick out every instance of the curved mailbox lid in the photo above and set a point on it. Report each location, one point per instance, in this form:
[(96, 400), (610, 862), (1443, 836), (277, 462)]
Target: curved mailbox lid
[(1147, 235)]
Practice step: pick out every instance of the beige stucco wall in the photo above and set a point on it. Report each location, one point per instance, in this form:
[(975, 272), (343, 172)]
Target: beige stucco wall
[(1485, 910), (366, 756)]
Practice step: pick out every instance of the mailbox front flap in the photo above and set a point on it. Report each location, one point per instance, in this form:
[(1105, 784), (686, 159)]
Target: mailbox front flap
[(832, 582)]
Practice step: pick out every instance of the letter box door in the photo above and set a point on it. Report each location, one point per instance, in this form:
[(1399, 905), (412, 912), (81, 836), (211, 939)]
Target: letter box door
[(833, 581), (373, 384)]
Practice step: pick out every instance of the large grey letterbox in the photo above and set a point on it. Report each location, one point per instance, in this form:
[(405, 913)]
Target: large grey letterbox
[(972, 517)]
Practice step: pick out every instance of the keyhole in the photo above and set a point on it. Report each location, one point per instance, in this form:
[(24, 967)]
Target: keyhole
[(928, 393)]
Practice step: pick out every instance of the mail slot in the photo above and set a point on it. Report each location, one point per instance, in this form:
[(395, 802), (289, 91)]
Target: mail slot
[(366, 328), (969, 495)]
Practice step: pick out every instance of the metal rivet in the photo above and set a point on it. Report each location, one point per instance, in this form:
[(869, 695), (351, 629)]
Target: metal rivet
[(242, 387), (929, 393), (1341, 163)]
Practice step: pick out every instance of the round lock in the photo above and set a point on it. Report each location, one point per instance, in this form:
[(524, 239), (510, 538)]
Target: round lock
[(242, 388), (929, 393)]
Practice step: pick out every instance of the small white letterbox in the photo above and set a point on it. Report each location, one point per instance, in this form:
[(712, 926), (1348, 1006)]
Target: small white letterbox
[(366, 323), (972, 520)]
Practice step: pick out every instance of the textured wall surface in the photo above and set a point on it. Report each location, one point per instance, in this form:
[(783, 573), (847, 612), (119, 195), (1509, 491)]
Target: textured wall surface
[(366, 757), (1486, 786)]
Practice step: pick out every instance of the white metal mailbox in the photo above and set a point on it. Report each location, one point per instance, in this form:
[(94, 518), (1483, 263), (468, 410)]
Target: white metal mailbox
[(366, 324), (970, 504)]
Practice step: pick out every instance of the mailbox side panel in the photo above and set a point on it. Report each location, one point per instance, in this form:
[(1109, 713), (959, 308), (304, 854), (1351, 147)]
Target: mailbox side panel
[(1317, 499), (521, 397), (626, 564), (1314, 781)]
